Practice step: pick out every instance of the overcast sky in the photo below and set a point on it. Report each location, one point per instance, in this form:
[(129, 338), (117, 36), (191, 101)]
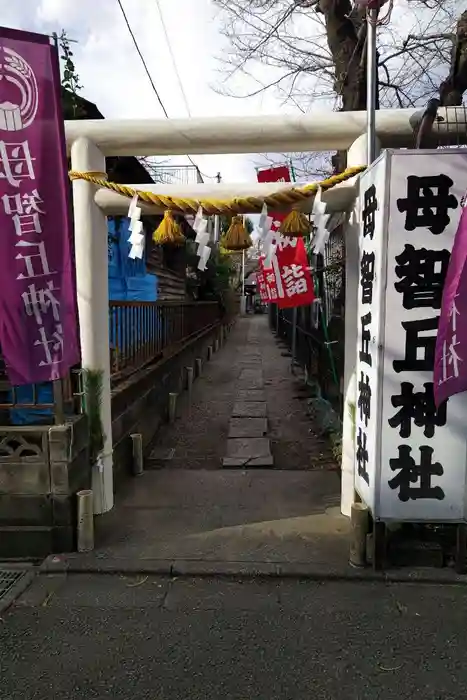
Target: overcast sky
[(113, 77)]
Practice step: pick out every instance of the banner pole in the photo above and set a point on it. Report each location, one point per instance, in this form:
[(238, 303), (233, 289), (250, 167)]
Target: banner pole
[(294, 338)]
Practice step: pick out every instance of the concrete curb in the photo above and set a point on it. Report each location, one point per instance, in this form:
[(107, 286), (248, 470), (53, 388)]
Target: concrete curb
[(267, 570)]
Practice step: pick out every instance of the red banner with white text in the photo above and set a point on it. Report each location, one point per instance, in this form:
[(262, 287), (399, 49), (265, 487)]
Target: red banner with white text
[(269, 277), (289, 281), (278, 173), (261, 282), (293, 276)]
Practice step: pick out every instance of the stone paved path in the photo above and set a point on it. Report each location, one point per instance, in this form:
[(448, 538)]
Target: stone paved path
[(245, 384), (252, 448), (278, 506)]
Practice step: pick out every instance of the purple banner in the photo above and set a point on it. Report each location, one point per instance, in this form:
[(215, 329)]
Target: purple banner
[(38, 319), (450, 371)]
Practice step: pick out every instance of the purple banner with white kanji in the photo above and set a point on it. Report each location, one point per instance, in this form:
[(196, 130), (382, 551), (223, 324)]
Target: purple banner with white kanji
[(38, 319), (450, 372)]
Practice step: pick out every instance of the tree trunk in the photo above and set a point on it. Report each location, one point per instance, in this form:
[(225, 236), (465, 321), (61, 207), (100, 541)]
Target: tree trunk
[(452, 89), (346, 34)]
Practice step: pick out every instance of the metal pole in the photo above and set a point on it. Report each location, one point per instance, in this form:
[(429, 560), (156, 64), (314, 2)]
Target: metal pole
[(243, 299), (217, 226), (217, 219), (294, 339), (243, 273), (372, 82)]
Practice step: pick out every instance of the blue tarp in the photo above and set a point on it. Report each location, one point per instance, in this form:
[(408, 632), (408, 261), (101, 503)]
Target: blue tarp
[(24, 394), (128, 281)]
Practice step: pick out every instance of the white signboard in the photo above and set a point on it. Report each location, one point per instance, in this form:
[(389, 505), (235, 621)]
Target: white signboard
[(371, 265), (420, 455)]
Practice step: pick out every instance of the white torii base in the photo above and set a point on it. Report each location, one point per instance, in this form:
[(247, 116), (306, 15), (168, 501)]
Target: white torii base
[(91, 256)]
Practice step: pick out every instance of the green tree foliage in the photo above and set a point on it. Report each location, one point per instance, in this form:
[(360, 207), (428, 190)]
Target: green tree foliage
[(70, 79), (211, 283)]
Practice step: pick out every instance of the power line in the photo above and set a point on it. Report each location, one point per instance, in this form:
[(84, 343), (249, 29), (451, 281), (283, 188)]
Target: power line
[(172, 56), (156, 92), (178, 76), (142, 59)]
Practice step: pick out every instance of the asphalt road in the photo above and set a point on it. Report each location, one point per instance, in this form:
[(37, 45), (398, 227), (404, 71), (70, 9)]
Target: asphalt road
[(98, 636)]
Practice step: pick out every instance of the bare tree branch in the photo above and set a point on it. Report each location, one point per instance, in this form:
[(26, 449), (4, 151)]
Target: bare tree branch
[(314, 50)]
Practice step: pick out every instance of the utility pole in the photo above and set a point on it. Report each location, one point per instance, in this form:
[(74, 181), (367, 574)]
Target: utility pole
[(371, 77), (243, 298), (217, 220)]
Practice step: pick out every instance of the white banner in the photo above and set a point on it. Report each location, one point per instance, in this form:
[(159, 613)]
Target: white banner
[(414, 455)]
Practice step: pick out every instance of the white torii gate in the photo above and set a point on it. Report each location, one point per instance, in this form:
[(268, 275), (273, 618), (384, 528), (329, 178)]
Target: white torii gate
[(90, 141)]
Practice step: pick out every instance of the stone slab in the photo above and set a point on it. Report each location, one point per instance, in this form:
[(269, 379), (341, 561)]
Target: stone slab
[(252, 375), (248, 452), (251, 395), (247, 427), (248, 447), (249, 409), (162, 454), (245, 384), (257, 462)]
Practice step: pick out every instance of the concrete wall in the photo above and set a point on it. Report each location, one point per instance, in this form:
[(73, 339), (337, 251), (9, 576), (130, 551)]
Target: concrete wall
[(41, 470)]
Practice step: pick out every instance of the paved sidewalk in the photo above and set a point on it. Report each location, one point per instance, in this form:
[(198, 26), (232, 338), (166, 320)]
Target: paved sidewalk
[(192, 511), (146, 638)]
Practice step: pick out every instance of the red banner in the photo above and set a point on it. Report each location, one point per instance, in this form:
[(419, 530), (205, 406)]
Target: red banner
[(269, 280), (262, 288), (294, 282), (288, 282), (278, 173)]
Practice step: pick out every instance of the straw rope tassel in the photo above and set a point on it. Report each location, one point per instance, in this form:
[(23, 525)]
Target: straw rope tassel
[(236, 237), (295, 224), (168, 231)]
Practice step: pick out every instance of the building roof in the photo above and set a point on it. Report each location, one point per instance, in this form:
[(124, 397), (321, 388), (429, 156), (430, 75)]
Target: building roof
[(123, 169)]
